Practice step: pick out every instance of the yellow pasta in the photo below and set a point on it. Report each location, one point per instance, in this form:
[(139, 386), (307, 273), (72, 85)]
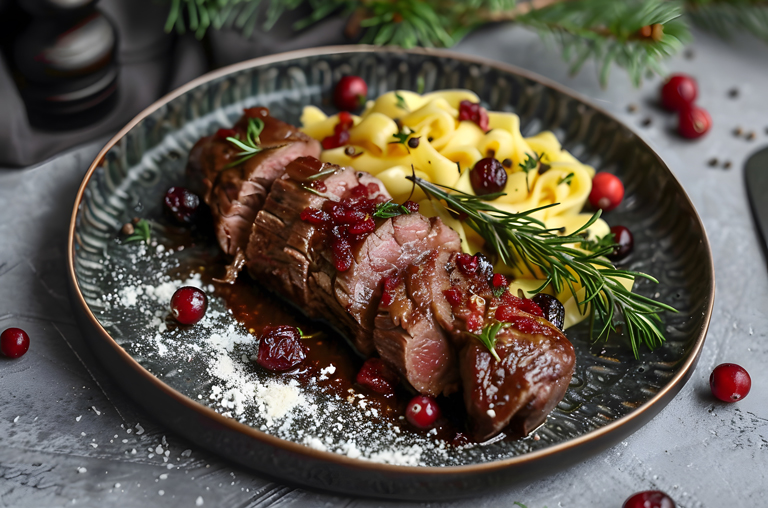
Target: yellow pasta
[(446, 149)]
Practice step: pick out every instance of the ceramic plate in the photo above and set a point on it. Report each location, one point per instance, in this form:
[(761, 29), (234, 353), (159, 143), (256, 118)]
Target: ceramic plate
[(199, 381)]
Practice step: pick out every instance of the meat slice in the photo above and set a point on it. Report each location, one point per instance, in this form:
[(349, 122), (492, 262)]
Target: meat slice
[(294, 257), (236, 192), (519, 391), (407, 335)]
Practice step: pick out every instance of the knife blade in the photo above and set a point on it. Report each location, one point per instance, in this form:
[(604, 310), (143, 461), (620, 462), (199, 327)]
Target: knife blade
[(756, 181)]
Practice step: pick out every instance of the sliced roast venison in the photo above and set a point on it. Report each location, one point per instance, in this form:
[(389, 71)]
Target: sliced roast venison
[(236, 191)]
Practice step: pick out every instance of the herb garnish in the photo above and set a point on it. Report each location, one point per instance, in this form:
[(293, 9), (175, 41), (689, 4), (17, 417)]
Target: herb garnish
[(529, 165), (488, 337), (602, 246), (142, 232), (566, 179), (400, 102), (250, 146), (521, 240), (402, 137), (390, 209)]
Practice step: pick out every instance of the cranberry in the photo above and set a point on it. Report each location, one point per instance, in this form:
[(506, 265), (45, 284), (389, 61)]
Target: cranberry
[(422, 412), (553, 310), (625, 242), (346, 122), (350, 93), (14, 342), (338, 139), (488, 176), (411, 206), (730, 382), (498, 281), (280, 348), (678, 92), (649, 499), (607, 191), (226, 133), (188, 305), (694, 122), (181, 204), (454, 296), (473, 112), (377, 376), (505, 313), (466, 263)]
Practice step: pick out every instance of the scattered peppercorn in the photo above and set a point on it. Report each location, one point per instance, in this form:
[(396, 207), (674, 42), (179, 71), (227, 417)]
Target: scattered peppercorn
[(350, 151), (632, 108), (128, 229), (733, 93), (727, 165), (713, 161), (413, 143), (507, 163), (751, 136), (646, 122), (738, 131)]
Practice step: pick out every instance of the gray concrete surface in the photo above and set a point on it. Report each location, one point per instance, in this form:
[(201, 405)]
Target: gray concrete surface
[(67, 432)]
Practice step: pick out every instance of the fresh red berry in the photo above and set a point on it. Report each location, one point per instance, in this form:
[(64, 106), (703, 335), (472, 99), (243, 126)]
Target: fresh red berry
[(730, 382), (625, 243), (350, 93), (488, 176), (678, 91), (377, 376), (498, 281), (473, 112), (649, 499), (607, 191), (422, 412), (14, 342), (181, 204), (694, 122), (280, 348), (188, 305)]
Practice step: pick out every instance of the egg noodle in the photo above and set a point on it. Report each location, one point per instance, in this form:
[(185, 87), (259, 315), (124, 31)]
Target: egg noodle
[(446, 151)]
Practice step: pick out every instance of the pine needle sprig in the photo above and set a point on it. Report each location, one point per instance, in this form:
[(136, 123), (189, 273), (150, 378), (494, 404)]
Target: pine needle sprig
[(522, 241), (390, 209), (142, 232), (725, 17)]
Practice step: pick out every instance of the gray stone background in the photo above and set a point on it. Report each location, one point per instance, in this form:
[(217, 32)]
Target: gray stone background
[(67, 432)]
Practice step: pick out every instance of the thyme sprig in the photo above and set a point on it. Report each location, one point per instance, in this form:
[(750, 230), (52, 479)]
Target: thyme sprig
[(250, 145), (142, 232), (520, 241), (488, 337), (400, 102), (389, 209), (528, 165)]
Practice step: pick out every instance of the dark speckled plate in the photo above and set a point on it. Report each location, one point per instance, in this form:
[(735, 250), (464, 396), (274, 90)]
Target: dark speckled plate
[(198, 382)]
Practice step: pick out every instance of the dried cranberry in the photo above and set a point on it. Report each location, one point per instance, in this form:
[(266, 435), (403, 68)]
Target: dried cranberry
[(314, 216), (411, 206), (422, 412), (377, 376), (678, 92), (454, 296), (226, 133), (488, 176), (530, 307), (466, 263), (624, 241), (14, 342), (649, 499), (350, 93), (280, 348), (181, 204), (553, 310), (188, 305), (607, 191), (505, 313), (473, 112), (694, 122), (730, 382), (342, 254), (338, 139)]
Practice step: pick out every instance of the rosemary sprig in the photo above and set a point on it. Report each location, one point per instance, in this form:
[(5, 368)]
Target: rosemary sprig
[(523, 241), (528, 165), (250, 146), (142, 232), (566, 179), (390, 209), (603, 246), (488, 337)]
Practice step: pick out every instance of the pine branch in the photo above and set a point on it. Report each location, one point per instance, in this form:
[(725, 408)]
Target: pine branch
[(725, 17), (632, 34)]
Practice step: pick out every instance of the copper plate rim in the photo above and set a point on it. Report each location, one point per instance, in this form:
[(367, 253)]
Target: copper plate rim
[(680, 377)]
